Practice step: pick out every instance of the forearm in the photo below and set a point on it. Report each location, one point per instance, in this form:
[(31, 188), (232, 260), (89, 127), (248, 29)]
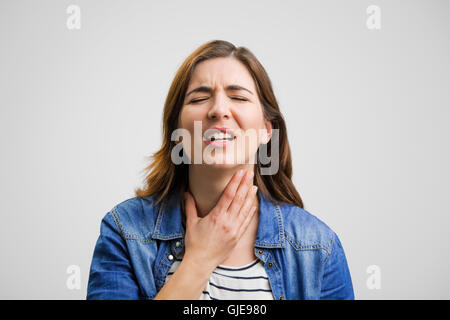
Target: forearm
[(186, 283)]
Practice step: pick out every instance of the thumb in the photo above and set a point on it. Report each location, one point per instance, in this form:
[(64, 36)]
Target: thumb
[(191, 210)]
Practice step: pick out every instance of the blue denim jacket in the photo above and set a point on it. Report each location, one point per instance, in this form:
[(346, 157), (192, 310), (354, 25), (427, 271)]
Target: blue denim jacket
[(302, 256)]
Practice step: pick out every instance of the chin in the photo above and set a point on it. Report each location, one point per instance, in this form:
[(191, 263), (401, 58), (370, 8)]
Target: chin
[(220, 161)]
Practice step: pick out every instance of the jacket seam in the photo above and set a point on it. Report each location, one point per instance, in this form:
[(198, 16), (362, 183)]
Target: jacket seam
[(280, 225), (331, 248), (123, 234), (159, 220), (156, 233), (271, 257), (162, 269), (300, 247)]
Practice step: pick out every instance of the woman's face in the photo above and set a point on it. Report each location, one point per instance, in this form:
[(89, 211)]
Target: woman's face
[(222, 94)]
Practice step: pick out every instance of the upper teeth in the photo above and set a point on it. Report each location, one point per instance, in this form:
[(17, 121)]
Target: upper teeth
[(220, 136)]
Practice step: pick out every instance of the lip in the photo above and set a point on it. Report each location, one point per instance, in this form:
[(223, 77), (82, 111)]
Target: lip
[(224, 130), (222, 143), (219, 144)]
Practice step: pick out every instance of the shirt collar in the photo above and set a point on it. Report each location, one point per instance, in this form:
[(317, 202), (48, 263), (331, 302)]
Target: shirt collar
[(270, 232)]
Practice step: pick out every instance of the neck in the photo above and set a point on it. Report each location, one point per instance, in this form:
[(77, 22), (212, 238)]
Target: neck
[(207, 184)]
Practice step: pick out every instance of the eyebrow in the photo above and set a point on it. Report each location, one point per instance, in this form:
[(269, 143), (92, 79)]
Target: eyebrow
[(209, 90)]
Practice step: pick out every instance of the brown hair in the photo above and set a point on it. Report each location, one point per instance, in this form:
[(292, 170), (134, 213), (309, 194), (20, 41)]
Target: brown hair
[(165, 178)]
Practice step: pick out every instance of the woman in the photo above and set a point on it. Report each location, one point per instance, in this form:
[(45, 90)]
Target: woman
[(215, 221)]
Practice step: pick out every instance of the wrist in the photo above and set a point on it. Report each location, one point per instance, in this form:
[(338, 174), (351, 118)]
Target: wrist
[(201, 267)]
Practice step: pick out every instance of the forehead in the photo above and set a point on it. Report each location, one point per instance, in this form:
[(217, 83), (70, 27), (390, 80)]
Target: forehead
[(222, 72)]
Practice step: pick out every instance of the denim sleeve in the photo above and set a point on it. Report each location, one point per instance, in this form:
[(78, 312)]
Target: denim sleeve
[(111, 275), (336, 281)]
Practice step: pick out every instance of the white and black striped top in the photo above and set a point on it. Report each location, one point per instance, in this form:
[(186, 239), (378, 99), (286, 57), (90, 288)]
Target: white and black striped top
[(249, 282)]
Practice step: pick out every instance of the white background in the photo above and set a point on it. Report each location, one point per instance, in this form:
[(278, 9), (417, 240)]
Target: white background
[(367, 113)]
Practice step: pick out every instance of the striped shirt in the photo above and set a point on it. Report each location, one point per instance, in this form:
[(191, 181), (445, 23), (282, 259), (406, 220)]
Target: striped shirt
[(249, 282)]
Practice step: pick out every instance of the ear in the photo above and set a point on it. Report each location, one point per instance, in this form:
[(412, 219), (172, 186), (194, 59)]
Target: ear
[(267, 137)]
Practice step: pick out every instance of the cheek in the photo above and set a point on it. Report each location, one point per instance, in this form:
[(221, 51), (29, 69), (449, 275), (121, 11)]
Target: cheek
[(186, 120), (189, 115), (252, 121)]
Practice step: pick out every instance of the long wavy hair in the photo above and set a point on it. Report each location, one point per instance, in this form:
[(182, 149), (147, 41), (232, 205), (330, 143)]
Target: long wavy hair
[(164, 178)]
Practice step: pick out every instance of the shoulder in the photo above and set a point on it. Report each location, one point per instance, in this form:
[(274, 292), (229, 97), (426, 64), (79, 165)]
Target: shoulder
[(134, 218), (304, 231)]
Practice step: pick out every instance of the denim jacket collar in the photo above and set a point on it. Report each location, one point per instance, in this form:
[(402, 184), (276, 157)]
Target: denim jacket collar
[(270, 232)]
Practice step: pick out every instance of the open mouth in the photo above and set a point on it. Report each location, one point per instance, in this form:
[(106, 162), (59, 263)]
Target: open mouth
[(218, 138), (221, 138), (212, 135)]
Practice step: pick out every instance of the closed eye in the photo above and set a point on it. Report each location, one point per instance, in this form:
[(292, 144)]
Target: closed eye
[(235, 98)]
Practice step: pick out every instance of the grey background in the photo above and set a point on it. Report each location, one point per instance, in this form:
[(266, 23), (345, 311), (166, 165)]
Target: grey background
[(367, 114)]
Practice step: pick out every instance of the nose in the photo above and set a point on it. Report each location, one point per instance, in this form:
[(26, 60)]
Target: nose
[(219, 109)]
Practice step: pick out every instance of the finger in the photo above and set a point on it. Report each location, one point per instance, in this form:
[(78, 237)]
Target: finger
[(241, 194), (248, 204), (229, 192), (191, 210), (247, 221)]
